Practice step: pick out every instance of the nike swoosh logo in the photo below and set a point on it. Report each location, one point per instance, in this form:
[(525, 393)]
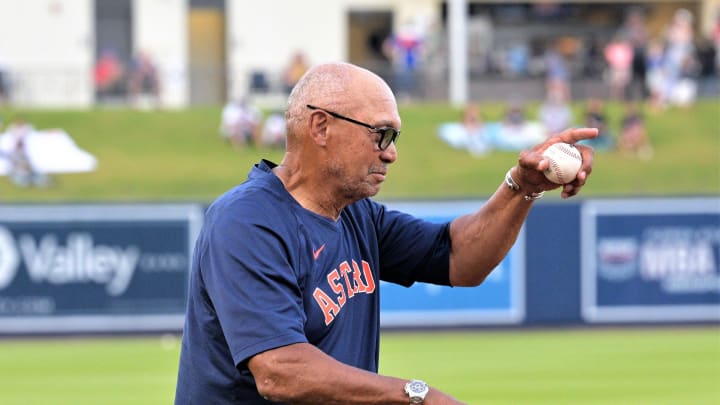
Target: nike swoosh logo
[(317, 251)]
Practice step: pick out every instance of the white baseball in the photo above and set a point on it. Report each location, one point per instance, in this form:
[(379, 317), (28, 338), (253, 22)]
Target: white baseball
[(565, 162)]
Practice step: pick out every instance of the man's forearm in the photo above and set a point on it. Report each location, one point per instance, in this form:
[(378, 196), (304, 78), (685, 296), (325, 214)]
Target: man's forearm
[(482, 239), (301, 374)]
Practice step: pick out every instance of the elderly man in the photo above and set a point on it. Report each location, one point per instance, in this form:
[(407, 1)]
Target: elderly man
[(284, 290)]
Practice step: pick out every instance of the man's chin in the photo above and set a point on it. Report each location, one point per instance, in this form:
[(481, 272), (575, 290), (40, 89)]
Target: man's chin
[(374, 191)]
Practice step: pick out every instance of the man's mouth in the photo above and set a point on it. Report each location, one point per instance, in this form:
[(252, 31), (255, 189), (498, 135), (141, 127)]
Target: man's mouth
[(379, 172)]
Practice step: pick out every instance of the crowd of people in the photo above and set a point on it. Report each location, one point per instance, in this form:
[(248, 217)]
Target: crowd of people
[(664, 69), (636, 61), (136, 83), (242, 124), (642, 74), (516, 130)]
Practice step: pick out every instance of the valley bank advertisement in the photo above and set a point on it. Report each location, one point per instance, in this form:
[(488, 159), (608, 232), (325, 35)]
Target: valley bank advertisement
[(92, 268), (651, 260)]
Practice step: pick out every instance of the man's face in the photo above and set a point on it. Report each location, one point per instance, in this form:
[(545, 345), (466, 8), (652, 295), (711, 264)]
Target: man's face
[(357, 163)]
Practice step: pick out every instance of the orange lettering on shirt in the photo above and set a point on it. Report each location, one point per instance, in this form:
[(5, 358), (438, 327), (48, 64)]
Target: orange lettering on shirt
[(369, 280), (345, 269), (357, 276), (329, 308), (333, 278), (361, 281)]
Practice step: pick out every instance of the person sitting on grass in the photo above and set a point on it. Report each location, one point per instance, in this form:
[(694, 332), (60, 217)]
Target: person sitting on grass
[(595, 117), (634, 138)]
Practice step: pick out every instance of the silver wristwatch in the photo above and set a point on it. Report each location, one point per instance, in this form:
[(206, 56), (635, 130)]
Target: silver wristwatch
[(416, 390)]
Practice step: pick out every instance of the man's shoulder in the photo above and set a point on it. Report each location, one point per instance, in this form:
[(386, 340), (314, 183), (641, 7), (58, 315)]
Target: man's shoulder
[(253, 198)]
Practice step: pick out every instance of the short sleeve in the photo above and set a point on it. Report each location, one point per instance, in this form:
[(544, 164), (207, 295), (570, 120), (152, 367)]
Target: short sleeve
[(412, 249), (252, 286)]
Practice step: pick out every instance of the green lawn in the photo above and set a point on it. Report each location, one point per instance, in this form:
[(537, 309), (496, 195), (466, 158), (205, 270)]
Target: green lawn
[(663, 366), (178, 155), (584, 366)]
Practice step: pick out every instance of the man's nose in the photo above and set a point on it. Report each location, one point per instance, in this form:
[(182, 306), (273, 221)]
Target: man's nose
[(389, 155)]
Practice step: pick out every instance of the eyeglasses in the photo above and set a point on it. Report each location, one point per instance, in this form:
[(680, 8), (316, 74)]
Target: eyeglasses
[(388, 135)]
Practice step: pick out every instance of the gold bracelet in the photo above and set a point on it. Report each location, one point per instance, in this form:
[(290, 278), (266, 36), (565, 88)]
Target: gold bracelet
[(512, 185)]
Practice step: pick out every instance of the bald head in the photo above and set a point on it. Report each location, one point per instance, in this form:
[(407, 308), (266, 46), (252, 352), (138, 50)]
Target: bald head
[(330, 160), (336, 86)]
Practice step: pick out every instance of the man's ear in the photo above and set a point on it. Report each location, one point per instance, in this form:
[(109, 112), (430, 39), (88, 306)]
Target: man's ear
[(318, 123)]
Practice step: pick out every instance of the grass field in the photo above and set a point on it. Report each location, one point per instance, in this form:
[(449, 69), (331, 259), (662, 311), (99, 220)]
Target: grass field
[(580, 366), (178, 155)]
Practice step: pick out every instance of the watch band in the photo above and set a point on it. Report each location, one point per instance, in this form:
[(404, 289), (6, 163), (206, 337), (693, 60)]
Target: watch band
[(512, 185)]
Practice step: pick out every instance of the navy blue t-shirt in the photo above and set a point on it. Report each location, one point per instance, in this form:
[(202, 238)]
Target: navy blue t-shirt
[(267, 273)]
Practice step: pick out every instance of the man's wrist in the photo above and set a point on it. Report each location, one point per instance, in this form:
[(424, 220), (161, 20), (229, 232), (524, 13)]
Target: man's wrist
[(515, 186), (416, 391)]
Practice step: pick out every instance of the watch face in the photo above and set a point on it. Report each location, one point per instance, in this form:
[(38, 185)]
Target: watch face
[(417, 387), (416, 390)]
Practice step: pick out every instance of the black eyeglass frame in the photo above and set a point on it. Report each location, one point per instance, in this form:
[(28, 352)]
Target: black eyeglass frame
[(385, 139)]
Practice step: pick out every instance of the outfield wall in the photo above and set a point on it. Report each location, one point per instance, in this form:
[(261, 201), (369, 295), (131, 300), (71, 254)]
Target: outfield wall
[(123, 268)]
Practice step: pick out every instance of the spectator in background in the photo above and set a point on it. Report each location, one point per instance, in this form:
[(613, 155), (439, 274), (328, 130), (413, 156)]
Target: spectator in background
[(555, 113), (706, 58), (518, 59), (240, 123), (654, 76), (619, 57), (404, 49), (678, 62), (593, 60), (144, 82), (294, 71), (22, 172), (472, 123), (595, 117), (636, 33), (469, 133), (273, 130), (633, 138), (516, 132), (4, 83), (109, 74), (557, 69), (515, 115)]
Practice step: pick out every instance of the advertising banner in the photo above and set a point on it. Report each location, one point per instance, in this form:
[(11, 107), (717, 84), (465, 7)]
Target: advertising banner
[(95, 268), (651, 260), (499, 300)]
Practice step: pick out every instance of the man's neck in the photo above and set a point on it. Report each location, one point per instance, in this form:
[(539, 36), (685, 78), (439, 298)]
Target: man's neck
[(309, 193)]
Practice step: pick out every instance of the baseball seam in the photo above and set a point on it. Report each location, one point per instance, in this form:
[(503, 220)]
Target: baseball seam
[(558, 172), (569, 151)]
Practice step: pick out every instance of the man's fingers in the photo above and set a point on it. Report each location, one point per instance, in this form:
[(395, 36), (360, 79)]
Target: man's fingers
[(573, 135), (587, 159), (570, 135), (532, 163), (530, 159)]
